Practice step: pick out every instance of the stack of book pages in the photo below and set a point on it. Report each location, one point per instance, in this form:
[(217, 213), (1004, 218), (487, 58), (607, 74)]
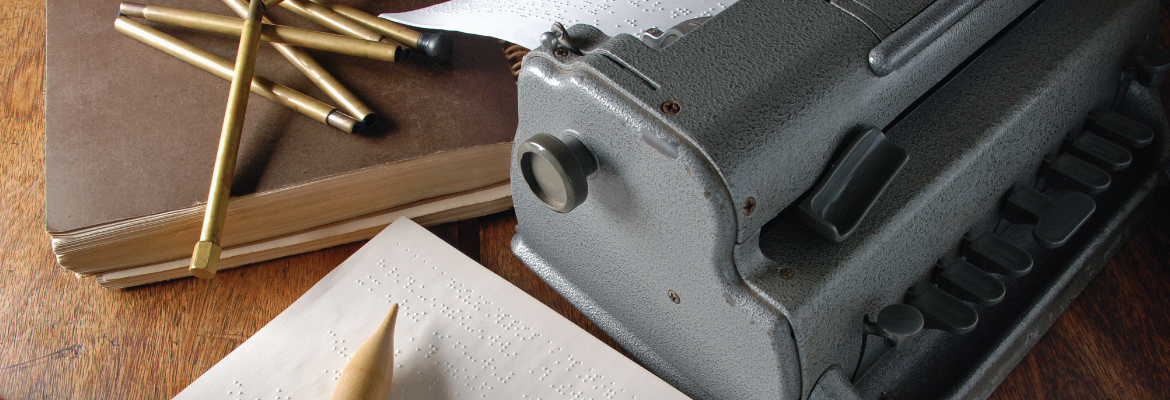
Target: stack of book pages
[(131, 137)]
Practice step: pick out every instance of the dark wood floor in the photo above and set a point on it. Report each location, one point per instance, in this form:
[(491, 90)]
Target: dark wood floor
[(63, 337)]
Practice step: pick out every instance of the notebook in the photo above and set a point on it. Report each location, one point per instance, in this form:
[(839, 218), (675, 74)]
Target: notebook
[(462, 333)]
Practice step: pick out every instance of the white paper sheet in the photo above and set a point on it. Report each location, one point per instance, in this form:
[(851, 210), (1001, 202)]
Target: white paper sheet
[(523, 21), (462, 333)]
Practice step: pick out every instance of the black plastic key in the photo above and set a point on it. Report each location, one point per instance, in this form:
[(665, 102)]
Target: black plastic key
[(1104, 154), (993, 254), (941, 310), (1056, 218), (1122, 130), (970, 283), (1072, 173)]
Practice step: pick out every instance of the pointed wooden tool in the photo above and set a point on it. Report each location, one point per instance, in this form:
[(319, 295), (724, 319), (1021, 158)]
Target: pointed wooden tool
[(369, 372)]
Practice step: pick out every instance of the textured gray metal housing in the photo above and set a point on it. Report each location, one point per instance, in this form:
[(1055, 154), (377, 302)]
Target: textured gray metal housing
[(765, 313), (985, 131), (945, 366)]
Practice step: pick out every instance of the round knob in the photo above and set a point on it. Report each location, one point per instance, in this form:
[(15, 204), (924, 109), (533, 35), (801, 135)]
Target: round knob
[(899, 323), (437, 46), (556, 169), (1153, 65)]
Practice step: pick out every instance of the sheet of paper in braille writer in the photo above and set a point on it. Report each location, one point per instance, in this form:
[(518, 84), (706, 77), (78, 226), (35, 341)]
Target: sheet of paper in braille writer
[(462, 333), (523, 21)]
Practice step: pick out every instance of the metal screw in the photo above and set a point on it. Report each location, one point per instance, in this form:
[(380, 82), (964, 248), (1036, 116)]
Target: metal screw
[(673, 296), (749, 205), (670, 107), (786, 273), (561, 52)]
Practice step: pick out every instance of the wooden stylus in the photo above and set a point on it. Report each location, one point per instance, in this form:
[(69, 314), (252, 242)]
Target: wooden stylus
[(369, 372)]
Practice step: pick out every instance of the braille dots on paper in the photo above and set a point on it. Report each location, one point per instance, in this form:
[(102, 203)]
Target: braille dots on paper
[(452, 341), (281, 395), (604, 14)]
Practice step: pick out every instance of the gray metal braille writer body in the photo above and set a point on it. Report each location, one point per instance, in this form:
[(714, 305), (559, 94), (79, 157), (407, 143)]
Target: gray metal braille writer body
[(846, 199)]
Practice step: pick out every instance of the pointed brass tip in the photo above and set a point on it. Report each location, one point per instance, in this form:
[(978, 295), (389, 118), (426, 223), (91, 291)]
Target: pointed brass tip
[(205, 260)]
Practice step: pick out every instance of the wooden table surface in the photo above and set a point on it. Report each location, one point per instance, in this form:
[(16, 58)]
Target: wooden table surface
[(64, 337)]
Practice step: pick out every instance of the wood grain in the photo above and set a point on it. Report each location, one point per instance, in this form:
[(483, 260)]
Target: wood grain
[(63, 337)]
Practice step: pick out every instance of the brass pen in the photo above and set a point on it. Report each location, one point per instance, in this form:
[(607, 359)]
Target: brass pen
[(435, 45), (205, 257), (268, 32), (345, 99), (222, 68)]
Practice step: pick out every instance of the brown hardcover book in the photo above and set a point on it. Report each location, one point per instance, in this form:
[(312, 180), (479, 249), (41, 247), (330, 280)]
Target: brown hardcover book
[(131, 136), (432, 211)]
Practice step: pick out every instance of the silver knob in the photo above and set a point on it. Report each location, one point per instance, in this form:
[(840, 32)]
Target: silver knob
[(556, 170)]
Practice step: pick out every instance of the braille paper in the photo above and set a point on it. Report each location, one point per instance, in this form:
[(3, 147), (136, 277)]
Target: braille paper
[(523, 21), (462, 333)]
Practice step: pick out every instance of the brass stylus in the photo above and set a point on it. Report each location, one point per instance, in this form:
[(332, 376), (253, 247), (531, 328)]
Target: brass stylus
[(206, 61), (369, 372), (435, 45), (345, 99), (334, 21), (268, 32), (205, 257)]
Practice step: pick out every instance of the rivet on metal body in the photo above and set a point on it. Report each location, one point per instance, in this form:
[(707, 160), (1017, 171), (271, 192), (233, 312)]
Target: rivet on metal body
[(786, 273), (670, 107), (749, 205)]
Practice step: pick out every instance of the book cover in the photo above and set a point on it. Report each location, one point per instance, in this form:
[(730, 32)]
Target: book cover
[(131, 132)]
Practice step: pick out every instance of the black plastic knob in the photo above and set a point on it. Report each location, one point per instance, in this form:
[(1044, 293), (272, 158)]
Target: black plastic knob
[(437, 46), (898, 323), (556, 170), (1152, 65)]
